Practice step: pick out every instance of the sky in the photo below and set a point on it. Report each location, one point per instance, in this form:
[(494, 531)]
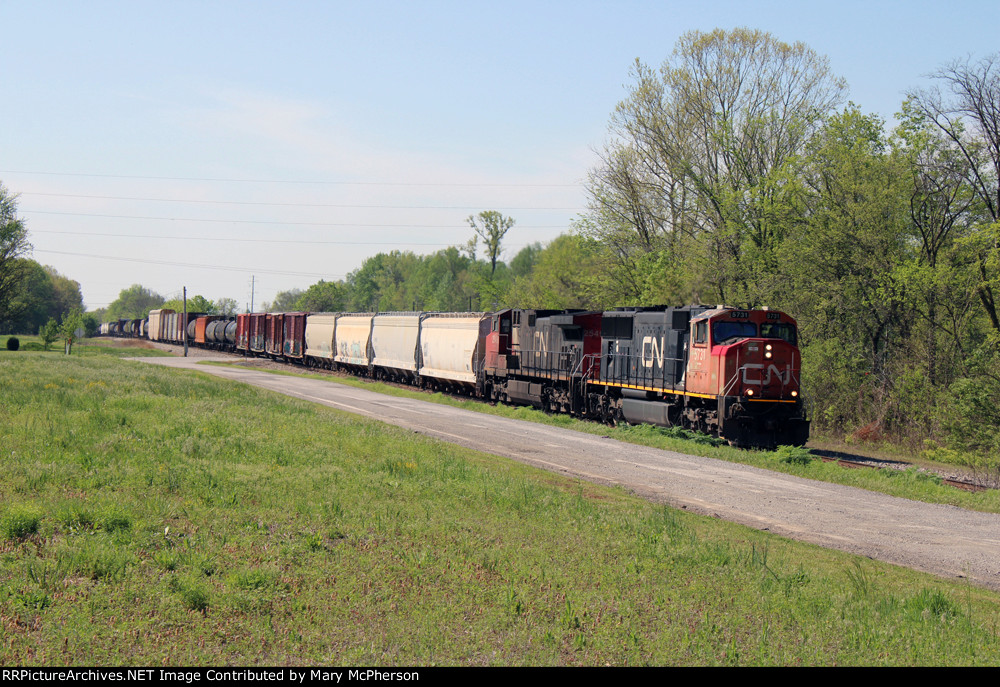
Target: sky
[(240, 149)]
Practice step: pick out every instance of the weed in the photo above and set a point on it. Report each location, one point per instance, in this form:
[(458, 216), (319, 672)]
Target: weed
[(793, 455), (115, 520), (35, 600), (46, 574), (167, 559), (930, 604), (97, 558), (74, 516), (193, 595), (314, 542), (202, 563), (19, 522), (570, 620), (860, 580), (251, 580)]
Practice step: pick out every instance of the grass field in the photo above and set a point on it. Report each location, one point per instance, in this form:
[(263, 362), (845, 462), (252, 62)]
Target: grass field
[(150, 516)]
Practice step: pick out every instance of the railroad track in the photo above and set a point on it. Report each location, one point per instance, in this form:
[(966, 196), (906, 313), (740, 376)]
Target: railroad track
[(855, 461)]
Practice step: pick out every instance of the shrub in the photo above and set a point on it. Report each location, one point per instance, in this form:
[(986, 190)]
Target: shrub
[(13, 343)]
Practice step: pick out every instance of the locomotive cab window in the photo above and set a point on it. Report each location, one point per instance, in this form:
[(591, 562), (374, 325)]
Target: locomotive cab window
[(778, 330), (728, 332), (701, 332)]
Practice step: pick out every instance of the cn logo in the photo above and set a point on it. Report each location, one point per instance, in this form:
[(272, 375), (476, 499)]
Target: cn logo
[(784, 377), (652, 351)]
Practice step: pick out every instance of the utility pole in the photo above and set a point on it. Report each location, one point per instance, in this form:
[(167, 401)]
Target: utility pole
[(185, 321), (252, 278)]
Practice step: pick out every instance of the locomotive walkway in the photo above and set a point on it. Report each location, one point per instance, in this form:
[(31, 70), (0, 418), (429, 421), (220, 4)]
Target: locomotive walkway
[(942, 540)]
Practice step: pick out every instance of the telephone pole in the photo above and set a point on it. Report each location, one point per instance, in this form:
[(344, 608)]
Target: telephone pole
[(185, 321)]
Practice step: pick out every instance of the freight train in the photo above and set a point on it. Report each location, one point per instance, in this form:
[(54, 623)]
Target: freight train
[(730, 372)]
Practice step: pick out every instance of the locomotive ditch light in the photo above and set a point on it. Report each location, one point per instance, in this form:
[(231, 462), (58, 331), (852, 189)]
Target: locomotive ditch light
[(795, 393), (749, 392)]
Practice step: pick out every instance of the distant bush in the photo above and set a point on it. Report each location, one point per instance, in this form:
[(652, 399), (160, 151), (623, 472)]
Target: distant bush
[(33, 346), (13, 343)]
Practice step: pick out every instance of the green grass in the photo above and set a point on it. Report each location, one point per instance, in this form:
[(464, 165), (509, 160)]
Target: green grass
[(185, 520), (910, 484), (118, 348)]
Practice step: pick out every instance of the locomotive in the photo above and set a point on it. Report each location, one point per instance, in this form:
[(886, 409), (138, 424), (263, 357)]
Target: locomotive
[(730, 372)]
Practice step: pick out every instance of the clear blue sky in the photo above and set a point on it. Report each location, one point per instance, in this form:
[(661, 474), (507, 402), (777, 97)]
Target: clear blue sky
[(199, 143)]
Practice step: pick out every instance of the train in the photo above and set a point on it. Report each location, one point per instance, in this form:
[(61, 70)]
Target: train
[(730, 372)]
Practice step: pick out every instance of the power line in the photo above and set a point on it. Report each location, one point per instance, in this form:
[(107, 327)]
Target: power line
[(232, 240), (280, 222), (296, 205), (187, 264), (287, 181)]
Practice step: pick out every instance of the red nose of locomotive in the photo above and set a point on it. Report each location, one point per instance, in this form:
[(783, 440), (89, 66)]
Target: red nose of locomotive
[(762, 368)]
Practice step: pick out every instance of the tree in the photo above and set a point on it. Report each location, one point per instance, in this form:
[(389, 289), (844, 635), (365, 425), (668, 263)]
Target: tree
[(525, 260), (969, 115), (72, 325), (491, 226), (284, 301), (30, 303), (66, 293), (704, 152), (940, 201), (48, 332), (323, 296), (840, 270), (134, 302), (90, 324), (40, 293), (564, 275), (226, 306), (13, 244), (195, 304)]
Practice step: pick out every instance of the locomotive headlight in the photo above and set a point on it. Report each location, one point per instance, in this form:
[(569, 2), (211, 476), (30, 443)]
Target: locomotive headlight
[(767, 347), (768, 354)]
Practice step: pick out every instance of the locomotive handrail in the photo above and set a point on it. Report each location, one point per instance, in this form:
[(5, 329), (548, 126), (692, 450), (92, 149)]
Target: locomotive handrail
[(533, 361), (735, 379), (594, 363), (646, 374)]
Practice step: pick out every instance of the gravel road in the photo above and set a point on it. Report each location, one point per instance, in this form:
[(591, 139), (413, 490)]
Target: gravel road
[(943, 540)]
